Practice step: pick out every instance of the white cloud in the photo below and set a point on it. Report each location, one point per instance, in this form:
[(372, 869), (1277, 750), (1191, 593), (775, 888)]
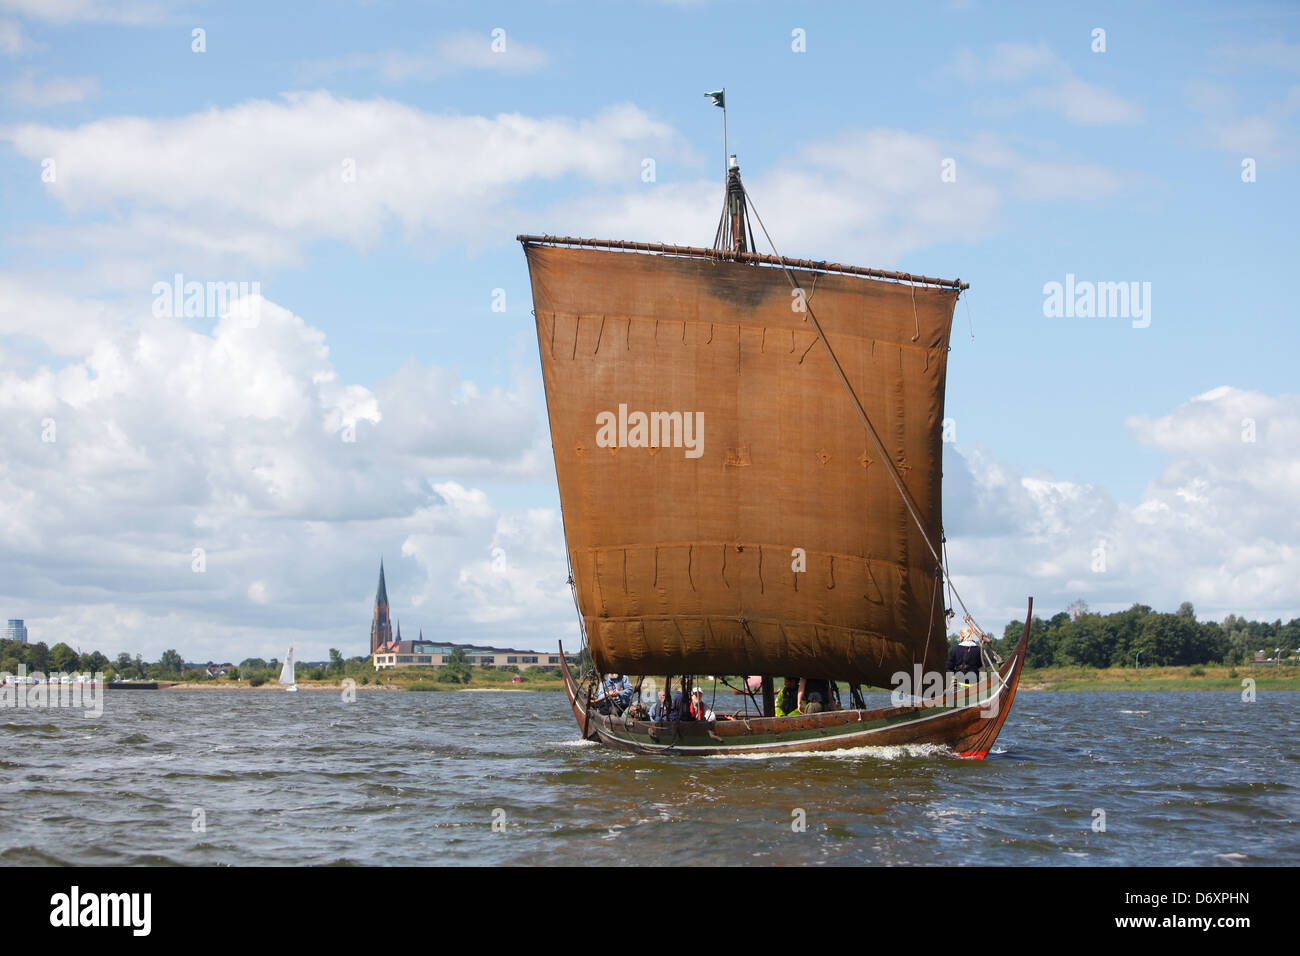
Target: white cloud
[(454, 53), (861, 197), (1249, 136), (1008, 63), (879, 193), (1268, 133), (1269, 136), (242, 190), (1274, 54), (867, 197), (1052, 85), (63, 324), (1218, 526), (1030, 177), (12, 39), (259, 180), (1084, 104), (150, 439), (28, 91), (684, 213), (93, 11), (519, 581)]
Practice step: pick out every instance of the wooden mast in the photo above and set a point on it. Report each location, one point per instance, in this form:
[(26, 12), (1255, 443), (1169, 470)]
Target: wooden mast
[(736, 208), (735, 236)]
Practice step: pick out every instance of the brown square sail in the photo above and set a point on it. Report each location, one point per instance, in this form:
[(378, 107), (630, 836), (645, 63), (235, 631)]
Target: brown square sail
[(724, 509)]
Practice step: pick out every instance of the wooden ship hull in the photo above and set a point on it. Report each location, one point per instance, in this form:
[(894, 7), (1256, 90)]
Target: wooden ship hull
[(967, 727)]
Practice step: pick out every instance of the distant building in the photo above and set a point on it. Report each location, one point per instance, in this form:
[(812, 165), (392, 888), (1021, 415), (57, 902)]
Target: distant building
[(388, 650), (437, 653), (210, 669), (16, 631)]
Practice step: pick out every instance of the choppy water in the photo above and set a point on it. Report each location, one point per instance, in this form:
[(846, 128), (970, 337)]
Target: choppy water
[(411, 778)]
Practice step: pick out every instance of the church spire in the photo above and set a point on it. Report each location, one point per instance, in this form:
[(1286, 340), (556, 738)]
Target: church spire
[(381, 626)]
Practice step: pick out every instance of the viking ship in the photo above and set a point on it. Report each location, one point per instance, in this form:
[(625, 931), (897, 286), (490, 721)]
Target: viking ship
[(748, 453)]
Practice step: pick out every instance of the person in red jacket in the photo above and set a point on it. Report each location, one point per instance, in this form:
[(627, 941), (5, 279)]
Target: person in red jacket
[(698, 710)]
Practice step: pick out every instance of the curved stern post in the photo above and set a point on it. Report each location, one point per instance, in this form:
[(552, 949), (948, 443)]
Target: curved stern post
[(574, 693)]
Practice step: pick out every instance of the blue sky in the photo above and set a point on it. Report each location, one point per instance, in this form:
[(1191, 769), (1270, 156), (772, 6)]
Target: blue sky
[(1122, 165)]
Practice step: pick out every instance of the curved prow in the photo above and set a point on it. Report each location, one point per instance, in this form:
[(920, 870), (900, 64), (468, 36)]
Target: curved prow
[(987, 735)]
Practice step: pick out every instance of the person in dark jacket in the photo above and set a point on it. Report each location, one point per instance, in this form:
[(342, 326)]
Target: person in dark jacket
[(964, 660), (814, 695), (667, 711)]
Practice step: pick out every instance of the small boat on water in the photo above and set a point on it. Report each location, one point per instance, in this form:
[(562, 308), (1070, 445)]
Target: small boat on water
[(749, 450), (286, 673)]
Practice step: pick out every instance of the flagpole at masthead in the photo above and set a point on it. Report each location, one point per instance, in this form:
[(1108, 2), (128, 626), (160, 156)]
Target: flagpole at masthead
[(719, 98)]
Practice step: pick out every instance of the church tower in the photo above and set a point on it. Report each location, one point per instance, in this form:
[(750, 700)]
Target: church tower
[(381, 628)]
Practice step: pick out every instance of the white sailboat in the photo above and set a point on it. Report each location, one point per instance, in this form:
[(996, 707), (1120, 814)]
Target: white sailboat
[(286, 672)]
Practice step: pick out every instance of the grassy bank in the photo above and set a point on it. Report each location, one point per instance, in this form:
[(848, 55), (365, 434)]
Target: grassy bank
[(1203, 677), (1207, 677)]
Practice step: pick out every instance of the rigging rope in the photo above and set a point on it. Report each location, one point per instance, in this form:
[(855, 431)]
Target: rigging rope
[(857, 405), (916, 321), (573, 588), (719, 240), (947, 577), (929, 631)]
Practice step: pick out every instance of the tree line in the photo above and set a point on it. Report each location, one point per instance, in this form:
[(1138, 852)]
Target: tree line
[(170, 666), (1142, 637)]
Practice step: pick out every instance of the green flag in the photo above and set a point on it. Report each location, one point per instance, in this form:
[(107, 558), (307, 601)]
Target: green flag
[(719, 98)]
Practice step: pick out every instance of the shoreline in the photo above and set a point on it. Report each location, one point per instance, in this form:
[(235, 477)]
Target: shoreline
[(1029, 684), (243, 685)]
